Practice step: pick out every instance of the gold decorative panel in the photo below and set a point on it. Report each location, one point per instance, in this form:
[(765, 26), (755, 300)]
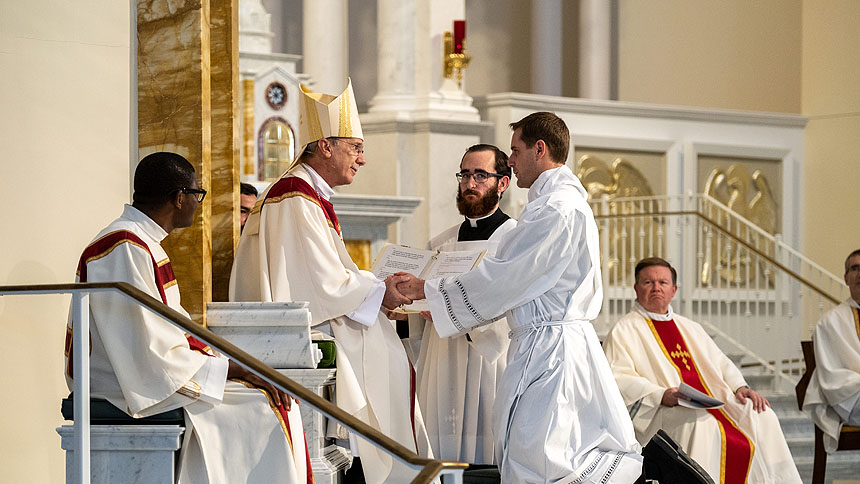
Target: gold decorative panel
[(359, 250), (750, 188), (630, 237)]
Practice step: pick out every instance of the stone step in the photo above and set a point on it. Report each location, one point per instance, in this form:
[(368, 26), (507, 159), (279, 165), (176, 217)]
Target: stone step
[(840, 466)]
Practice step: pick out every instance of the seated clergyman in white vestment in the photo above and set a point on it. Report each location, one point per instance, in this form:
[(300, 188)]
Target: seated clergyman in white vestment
[(558, 415), (833, 395), (458, 376), (292, 250), (238, 428), (652, 351)]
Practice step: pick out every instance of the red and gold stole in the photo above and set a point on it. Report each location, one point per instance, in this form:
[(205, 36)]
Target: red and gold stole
[(736, 450), (164, 278), (292, 186), (856, 313)]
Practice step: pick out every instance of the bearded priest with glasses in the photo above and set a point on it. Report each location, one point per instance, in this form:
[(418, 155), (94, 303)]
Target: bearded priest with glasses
[(458, 377)]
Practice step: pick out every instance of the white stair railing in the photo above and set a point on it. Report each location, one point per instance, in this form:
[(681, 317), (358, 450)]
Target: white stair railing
[(757, 291)]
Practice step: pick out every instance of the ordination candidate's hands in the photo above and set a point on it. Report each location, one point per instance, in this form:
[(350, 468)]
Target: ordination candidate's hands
[(760, 403), (238, 371), (393, 297), (411, 286)]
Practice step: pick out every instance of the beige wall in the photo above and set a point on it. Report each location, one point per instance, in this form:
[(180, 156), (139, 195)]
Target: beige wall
[(732, 54), (498, 39), (831, 99), (64, 173)]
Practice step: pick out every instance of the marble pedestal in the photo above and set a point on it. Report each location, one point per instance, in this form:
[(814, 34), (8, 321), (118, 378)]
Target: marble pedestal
[(276, 333), (131, 454), (327, 459)]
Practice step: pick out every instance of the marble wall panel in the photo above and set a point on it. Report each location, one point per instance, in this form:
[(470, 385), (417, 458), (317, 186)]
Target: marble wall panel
[(223, 46), (174, 114)]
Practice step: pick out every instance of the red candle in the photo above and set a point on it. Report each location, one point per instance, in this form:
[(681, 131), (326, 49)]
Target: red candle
[(459, 35)]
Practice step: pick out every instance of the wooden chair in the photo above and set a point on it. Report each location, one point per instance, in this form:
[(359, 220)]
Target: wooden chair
[(849, 438)]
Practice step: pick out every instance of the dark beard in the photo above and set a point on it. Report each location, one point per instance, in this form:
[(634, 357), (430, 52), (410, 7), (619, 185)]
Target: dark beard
[(482, 206)]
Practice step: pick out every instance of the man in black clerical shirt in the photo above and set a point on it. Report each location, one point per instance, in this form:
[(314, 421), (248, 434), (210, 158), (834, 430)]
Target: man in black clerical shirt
[(458, 413)]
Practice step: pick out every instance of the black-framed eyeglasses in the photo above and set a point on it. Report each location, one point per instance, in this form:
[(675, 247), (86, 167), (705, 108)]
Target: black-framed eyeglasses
[(478, 176), (358, 148), (198, 193)]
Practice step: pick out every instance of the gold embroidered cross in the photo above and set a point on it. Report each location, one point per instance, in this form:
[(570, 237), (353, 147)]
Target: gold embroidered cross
[(681, 354)]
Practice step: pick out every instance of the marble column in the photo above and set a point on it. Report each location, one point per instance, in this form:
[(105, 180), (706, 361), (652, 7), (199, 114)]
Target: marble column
[(546, 67), (325, 44), (224, 187), (595, 49), (410, 81), (174, 114), (395, 46)]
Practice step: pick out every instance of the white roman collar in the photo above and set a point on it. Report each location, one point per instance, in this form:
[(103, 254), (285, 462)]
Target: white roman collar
[(654, 316), (319, 183), (473, 222)]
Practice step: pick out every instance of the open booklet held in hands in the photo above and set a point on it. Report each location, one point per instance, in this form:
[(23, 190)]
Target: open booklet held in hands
[(697, 399), (424, 264)]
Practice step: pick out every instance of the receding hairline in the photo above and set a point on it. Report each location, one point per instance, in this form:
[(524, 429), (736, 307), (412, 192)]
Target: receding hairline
[(848, 259)]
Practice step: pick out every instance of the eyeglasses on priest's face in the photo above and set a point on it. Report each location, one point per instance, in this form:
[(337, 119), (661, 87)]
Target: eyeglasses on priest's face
[(478, 176), (198, 193), (357, 148)]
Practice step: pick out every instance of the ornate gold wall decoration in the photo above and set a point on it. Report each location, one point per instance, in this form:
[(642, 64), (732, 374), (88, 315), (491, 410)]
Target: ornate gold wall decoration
[(631, 238), (749, 196), (359, 251)]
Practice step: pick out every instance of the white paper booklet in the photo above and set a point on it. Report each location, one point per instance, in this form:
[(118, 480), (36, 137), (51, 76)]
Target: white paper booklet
[(697, 399), (426, 264)]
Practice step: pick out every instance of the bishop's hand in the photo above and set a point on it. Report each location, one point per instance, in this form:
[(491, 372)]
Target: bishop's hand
[(411, 286), (393, 297)]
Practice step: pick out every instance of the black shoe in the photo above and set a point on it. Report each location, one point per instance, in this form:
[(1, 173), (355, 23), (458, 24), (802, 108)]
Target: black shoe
[(667, 463), (482, 474), (355, 473)]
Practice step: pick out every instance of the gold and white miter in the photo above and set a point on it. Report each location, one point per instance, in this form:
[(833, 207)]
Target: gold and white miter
[(326, 116)]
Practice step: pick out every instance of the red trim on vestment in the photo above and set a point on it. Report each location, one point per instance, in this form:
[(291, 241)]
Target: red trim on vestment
[(286, 418), (292, 184), (412, 400), (163, 273), (737, 448)]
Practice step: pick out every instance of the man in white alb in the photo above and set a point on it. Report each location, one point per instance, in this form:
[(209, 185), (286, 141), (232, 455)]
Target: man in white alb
[(652, 351), (292, 250), (833, 395), (558, 414), (238, 428), (458, 376)]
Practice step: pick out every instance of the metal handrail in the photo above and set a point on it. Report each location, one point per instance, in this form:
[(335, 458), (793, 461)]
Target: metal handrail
[(429, 468), (737, 239)]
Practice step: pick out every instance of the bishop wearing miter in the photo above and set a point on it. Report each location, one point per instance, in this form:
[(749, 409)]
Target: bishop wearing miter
[(292, 249)]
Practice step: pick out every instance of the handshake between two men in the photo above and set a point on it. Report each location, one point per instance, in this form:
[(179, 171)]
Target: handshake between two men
[(401, 289)]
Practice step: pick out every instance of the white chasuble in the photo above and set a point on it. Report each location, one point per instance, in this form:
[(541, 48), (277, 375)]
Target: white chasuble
[(291, 250), (834, 390), (644, 370), (558, 415), (144, 365), (458, 376)]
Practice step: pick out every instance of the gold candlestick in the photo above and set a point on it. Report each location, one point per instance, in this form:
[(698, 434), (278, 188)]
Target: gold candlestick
[(454, 63)]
